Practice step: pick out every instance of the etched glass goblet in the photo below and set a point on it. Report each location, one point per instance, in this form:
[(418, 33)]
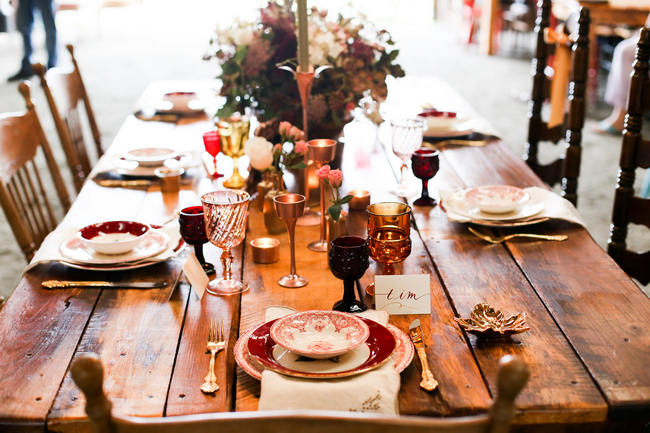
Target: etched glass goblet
[(406, 137), (233, 132)]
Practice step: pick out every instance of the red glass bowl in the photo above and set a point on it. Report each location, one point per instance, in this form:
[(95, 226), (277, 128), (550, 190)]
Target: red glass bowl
[(113, 237), (381, 343)]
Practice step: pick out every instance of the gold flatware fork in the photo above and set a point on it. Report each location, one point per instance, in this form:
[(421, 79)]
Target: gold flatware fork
[(216, 342), (428, 383), (500, 239)]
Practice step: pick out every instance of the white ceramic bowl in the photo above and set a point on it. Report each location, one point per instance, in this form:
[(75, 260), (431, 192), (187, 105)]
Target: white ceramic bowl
[(319, 334), (496, 199), (150, 156), (180, 100), (113, 237)]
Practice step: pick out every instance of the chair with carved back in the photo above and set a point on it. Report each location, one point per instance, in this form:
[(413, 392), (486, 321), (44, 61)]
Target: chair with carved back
[(23, 194), (564, 170), (64, 91), (87, 372), (635, 152)]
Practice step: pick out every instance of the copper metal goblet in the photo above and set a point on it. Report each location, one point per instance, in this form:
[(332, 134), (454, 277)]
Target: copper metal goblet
[(290, 207), (389, 235), (225, 214), (321, 151)]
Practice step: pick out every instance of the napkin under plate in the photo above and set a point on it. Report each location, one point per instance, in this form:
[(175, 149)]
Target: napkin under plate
[(375, 391)]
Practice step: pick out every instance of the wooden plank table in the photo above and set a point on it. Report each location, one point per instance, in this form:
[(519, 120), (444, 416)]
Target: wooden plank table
[(588, 348)]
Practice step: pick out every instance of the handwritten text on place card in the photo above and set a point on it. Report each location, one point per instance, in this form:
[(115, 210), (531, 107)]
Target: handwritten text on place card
[(403, 294), (196, 275)]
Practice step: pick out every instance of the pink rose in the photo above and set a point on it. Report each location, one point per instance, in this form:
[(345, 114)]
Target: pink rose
[(296, 133), (301, 147), (284, 128), (324, 172), (335, 178), (277, 148)]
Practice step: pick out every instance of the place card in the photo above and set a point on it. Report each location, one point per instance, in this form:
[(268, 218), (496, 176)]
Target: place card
[(403, 294), (195, 274)]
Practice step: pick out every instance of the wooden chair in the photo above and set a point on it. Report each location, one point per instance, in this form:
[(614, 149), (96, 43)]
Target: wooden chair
[(635, 152), (22, 192), (564, 170), (87, 372), (69, 89)]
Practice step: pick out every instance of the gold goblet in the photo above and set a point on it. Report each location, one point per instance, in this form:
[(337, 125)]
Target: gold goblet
[(225, 214), (389, 235), (290, 207), (321, 151), (233, 132)]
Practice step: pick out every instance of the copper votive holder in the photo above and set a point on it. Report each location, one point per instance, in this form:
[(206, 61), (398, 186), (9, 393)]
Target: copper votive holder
[(265, 250), (170, 178), (360, 199)]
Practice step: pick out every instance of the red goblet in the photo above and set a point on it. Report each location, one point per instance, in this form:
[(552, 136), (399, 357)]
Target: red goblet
[(193, 233), (348, 260), (425, 163), (213, 147)]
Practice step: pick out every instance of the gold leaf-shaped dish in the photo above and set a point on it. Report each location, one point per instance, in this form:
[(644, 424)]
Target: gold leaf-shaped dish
[(486, 321)]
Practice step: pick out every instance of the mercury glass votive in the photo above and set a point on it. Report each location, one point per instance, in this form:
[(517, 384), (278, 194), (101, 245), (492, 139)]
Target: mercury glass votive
[(265, 250), (360, 199)]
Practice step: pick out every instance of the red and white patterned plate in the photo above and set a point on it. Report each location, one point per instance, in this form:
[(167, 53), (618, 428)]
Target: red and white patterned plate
[(319, 334), (77, 253), (401, 357)]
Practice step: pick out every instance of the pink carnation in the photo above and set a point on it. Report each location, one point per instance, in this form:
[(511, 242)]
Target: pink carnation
[(277, 148), (301, 147), (336, 178), (284, 128), (324, 172), (296, 133)]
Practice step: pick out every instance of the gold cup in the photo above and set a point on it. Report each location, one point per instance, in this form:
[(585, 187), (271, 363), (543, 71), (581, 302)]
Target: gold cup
[(290, 207), (233, 133), (321, 151)]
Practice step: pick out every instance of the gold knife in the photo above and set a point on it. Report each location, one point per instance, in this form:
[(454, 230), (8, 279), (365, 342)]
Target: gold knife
[(55, 284), (428, 382), (114, 183)]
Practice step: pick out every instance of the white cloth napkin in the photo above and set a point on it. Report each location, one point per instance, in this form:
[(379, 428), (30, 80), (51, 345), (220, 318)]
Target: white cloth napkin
[(555, 207), (374, 391), (49, 250)]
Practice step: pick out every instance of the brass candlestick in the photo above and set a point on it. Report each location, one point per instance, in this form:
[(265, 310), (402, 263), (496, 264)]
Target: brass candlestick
[(321, 151), (289, 207)]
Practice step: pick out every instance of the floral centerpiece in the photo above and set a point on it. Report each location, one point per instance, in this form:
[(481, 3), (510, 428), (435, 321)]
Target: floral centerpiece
[(288, 154), (249, 53)]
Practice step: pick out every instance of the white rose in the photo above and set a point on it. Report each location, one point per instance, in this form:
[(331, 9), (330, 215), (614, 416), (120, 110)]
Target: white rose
[(242, 36), (260, 152), (317, 55)]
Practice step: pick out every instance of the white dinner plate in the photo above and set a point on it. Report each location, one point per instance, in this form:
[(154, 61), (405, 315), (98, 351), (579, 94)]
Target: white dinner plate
[(77, 253), (132, 169), (456, 204)]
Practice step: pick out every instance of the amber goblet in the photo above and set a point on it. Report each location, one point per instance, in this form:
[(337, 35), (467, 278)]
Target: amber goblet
[(348, 260), (192, 228), (225, 215), (233, 133), (425, 164), (389, 235), (321, 151), (290, 207)]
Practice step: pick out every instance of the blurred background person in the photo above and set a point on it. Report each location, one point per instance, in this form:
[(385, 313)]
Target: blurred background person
[(25, 22)]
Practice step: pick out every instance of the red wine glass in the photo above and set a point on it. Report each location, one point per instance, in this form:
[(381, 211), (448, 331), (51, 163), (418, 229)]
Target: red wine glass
[(425, 163), (348, 260), (213, 147), (193, 233)]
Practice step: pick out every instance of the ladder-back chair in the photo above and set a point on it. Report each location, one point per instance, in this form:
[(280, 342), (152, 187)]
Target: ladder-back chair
[(635, 152), (87, 372), (64, 91), (564, 170), (22, 191)]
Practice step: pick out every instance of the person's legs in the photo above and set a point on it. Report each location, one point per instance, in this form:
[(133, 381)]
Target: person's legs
[(47, 12), (618, 85), (25, 22)]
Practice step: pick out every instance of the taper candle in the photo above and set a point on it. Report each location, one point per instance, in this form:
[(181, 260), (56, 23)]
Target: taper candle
[(303, 37)]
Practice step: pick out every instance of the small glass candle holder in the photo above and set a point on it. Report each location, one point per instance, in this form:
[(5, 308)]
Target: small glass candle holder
[(170, 178), (360, 199), (265, 250)]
